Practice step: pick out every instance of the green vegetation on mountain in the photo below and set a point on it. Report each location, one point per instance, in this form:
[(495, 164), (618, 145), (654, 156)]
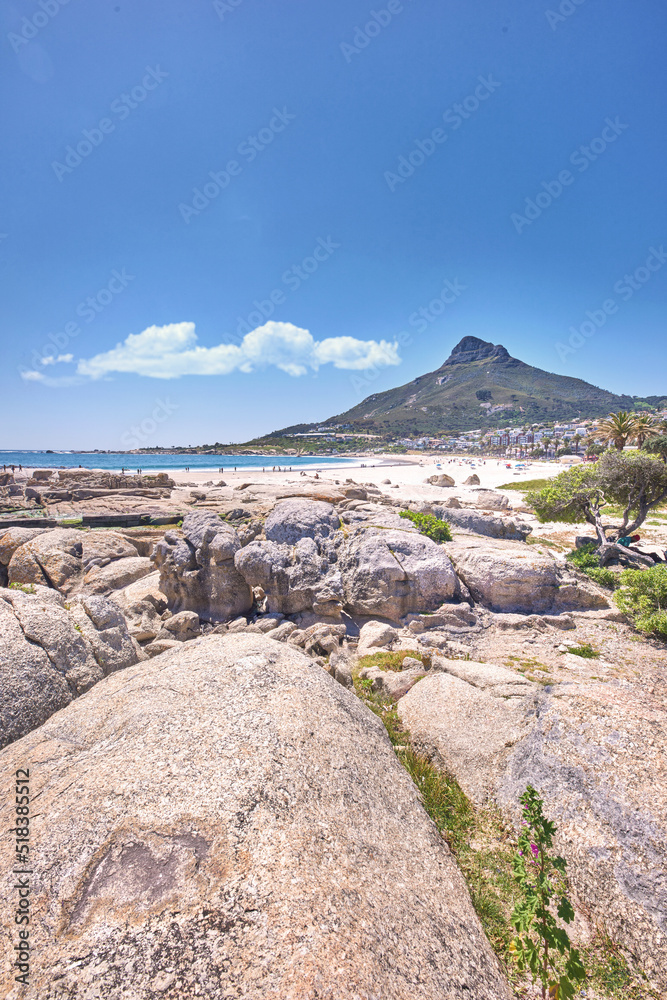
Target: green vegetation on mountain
[(478, 386)]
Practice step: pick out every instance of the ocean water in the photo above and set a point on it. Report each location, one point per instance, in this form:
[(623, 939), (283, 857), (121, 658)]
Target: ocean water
[(116, 461)]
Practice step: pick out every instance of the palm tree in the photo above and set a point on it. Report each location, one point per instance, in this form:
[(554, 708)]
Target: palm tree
[(576, 441), (618, 428), (645, 427)]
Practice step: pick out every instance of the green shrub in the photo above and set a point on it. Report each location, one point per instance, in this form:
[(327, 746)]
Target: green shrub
[(586, 560), (432, 527), (585, 650), (643, 597), (27, 588)]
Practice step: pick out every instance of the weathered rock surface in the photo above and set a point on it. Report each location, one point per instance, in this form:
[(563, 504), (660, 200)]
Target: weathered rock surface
[(12, 538), (484, 524), (491, 499), (147, 588), (295, 519), (283, 852), (394, 683), (50, 654), (117, 574), (52, 558), (440, 480), (99, 548), (375, 635), (509, 576), (197, 571), (293, 577), (596, 753), (391, 572)]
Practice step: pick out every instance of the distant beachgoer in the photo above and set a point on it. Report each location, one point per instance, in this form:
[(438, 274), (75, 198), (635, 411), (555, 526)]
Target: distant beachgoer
[(13, 468)]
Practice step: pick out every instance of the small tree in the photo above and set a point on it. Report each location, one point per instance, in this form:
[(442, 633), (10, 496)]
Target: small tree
[(657, 446), (635, 481), (541, 945)]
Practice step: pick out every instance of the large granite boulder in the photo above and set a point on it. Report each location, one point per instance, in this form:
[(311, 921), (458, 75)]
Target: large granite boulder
[(484, 524), (52, 558), (12, 538), (292, 520), (510, 576), (103, 547), (50, 653), (597, 754), (296, 566), (116, 574), (227, 820), (294, 577), (197, 571), (391, 572)]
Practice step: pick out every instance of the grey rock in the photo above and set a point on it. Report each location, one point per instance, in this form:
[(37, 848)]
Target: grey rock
[(393, 572), (514, 577), (116, 574), (281, 816), (12, 538), (105, 627), (159, 646), (292, 576), (197, 571), (283, 631), (395, 684), (52, 558), (31, 689), (491, 500), (51, 652), (440, 480), (375, 635), (292, 520), (484, 524), (183, 626)]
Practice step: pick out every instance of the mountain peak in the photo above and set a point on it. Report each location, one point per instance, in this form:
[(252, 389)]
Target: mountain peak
[(474, 349)]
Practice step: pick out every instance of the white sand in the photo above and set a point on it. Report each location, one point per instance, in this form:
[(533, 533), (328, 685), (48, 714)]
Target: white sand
[(405, 471)]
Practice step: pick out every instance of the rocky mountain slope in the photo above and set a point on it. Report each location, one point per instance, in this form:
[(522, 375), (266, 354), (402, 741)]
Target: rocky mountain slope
[(479, 385)]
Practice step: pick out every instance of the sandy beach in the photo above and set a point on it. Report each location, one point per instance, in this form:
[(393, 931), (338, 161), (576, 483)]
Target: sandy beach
[(404, 471)]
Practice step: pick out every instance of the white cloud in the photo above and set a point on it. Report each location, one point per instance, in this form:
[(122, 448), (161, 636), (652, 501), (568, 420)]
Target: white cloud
[(172, 350)]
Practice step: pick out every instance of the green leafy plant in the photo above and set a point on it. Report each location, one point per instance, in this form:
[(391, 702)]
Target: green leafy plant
[(643, 597), (432, 527), (27, 588), (586, 560), (542, 945), (585, 650)]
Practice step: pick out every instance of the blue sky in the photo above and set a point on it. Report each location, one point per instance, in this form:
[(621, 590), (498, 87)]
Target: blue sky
[(387, 179)]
